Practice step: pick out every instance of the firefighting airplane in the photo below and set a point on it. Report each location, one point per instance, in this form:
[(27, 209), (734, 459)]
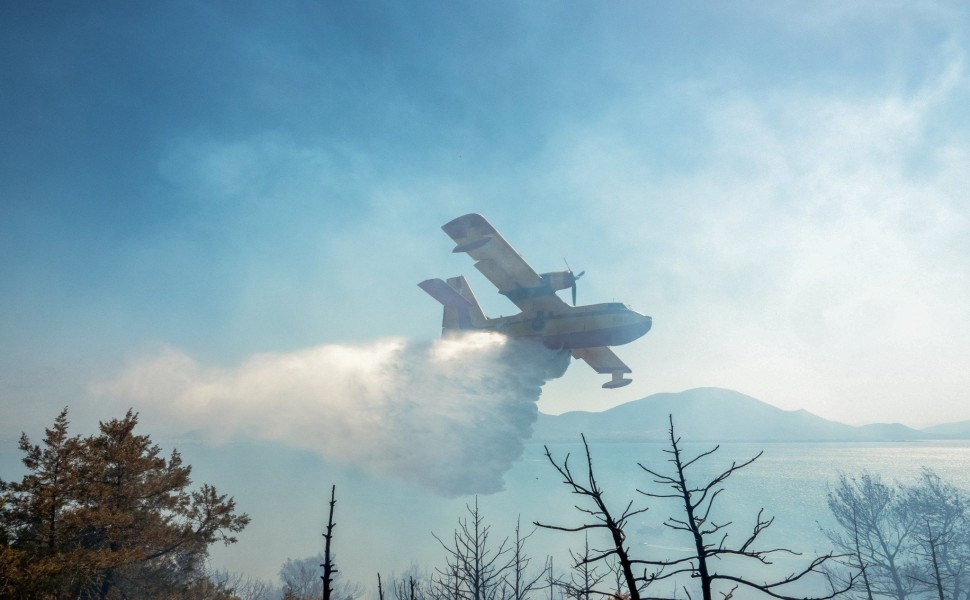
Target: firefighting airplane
[(587, 331)]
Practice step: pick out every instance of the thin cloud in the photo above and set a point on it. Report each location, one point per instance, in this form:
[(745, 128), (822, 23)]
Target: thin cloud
[(815, 256)]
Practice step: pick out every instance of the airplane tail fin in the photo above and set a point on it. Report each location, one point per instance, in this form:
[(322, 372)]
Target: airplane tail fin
[(462, 311)]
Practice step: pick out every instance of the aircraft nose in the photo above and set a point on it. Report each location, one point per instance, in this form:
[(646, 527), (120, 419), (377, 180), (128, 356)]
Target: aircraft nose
[(646, 323)]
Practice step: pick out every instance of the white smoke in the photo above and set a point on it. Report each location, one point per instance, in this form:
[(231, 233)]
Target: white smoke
[(451, 415)]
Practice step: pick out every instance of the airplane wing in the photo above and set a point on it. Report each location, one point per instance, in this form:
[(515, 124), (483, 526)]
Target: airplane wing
[(501, 264), (603, 360)]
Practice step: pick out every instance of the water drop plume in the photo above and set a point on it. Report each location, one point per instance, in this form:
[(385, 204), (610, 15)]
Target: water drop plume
[(451, 415)]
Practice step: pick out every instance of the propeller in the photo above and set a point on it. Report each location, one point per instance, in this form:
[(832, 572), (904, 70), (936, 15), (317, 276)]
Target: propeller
[(575, 277)]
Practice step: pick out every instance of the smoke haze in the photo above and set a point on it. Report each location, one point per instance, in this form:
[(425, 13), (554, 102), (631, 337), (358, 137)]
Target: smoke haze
[(451, 415)]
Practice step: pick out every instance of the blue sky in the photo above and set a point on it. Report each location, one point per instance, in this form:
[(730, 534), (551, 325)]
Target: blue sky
[(782, 186)]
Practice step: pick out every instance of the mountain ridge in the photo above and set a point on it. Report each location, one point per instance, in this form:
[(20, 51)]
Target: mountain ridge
[(722, 415)]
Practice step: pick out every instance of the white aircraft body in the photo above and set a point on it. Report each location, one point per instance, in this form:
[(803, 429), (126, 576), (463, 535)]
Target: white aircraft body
[(587, 331)]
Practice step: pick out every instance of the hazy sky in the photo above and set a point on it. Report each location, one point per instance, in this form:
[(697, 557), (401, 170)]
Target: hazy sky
[(782, 186)]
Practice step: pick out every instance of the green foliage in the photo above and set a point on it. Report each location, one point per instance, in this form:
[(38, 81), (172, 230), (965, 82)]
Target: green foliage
[(108, 516)]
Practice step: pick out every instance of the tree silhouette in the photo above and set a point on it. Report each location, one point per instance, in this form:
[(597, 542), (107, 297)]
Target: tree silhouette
[(599, 518), (585, 579), (699, 521), (519, 581), (328, 567), (908, 540), (476, 569), (878, 528), (709, 538), (942, 539)]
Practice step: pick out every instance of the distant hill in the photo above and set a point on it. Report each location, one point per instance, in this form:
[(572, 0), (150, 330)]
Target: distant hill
[(712, 414), (960, 429)]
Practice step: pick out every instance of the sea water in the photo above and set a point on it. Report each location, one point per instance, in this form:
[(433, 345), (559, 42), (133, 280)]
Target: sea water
[(385, 525), (790, 482)]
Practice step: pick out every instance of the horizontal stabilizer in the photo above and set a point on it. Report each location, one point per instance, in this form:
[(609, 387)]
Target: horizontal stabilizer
[(444, 293)]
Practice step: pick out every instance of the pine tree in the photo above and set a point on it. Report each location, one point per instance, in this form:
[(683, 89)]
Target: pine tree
[(108, 516), (33, 510)]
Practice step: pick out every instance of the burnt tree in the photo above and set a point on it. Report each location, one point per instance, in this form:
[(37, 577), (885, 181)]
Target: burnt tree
[(600, 518), (519, 581), (476, 569), (709, 538), (328, 567)]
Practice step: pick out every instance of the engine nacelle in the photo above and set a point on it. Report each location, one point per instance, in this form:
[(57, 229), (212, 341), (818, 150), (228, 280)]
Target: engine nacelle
[(559, 280)]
